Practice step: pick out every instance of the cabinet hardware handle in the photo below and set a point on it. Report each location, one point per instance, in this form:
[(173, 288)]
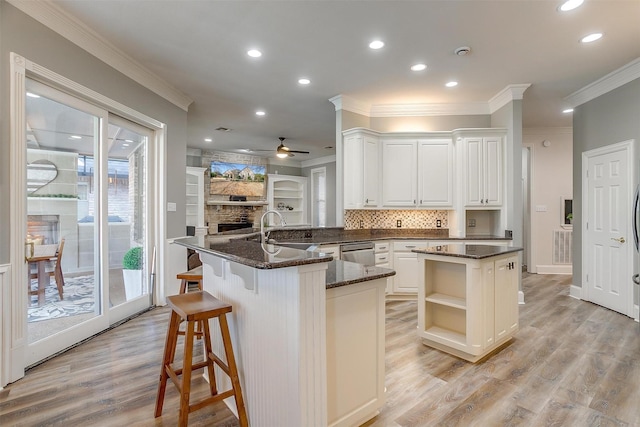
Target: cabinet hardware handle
[(619, 239), (366, 200), (382, 259), (410, 246)]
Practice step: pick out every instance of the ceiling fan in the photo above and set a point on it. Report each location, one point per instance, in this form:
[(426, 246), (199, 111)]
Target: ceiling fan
[(283, 151)]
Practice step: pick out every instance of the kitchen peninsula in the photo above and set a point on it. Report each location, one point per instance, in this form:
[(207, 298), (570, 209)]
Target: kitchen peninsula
[(308, 331), (468, 305)]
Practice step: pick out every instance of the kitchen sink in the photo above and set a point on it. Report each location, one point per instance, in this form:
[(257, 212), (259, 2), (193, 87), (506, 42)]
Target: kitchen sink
[(295, 245)]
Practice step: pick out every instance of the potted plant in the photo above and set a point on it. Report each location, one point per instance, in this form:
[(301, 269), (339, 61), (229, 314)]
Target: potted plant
[(132, 264), (570, 218)]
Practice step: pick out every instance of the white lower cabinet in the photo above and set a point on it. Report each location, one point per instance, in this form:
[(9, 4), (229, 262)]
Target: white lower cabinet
[(468, 307), (409, 275), (383, 260)]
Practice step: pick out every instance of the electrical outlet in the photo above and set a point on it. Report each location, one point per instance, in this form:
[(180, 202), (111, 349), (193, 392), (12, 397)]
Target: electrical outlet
[(472, 222), (438, 223), (399, 223), (361, 223)]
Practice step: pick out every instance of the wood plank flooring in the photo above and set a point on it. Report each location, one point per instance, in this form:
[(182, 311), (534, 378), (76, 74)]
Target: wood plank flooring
[(571, 364)]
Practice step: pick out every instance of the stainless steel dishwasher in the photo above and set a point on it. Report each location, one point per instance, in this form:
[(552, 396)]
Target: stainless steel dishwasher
[(360, 252)]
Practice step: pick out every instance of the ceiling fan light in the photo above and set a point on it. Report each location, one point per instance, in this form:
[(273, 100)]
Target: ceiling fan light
[(282, 155)]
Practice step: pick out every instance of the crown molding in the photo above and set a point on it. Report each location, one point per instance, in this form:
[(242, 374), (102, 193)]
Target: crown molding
[(506, 95), (55, 18), (400, 110), (345, 102), (318, 161), (611, 81)]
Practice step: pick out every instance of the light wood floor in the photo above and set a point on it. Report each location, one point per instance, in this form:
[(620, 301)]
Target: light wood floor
[(572, 364)]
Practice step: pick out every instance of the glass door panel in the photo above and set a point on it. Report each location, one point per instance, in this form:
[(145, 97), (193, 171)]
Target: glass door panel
[(128, 225), (61, 245)]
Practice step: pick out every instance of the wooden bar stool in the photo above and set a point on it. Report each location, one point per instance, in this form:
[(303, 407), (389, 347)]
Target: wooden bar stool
[(193, 275), (198, 307)]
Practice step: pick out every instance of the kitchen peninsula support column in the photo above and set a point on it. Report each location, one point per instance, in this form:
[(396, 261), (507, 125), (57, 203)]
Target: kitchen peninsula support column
[(278, 330)]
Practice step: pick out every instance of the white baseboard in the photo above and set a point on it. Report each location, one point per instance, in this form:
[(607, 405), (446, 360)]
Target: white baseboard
[(520, 297), (554, 269), (575, 292)]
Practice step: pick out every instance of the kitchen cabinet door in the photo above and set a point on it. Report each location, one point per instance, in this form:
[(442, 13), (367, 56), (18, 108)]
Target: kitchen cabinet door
[(361, 170), (483, 171), (409, 272), (506, 297), (435, 173), (399, 173)]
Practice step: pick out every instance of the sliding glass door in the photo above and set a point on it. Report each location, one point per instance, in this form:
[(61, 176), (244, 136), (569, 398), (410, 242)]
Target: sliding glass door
[(87, 243)]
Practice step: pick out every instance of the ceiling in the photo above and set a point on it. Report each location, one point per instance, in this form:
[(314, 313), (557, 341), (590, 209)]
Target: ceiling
[(199, 47)]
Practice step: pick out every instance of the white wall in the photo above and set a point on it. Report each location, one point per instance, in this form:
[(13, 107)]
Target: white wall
[(551, 180)]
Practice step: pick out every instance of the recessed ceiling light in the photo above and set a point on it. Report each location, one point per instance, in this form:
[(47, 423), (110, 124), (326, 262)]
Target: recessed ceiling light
[(260, 113), (125, 145), (568, 110), (128, 140), (591, 38), (451, 84), (418, 67), (32, 95), (75, 137), (376, 44), (304, 81), (254, 53), (570, 5), (208, 140)]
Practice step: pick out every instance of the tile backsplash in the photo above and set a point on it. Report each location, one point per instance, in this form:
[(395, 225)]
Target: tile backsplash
[(389, 219)]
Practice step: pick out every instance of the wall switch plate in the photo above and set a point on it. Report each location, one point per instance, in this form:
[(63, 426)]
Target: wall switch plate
[(541, 208), (399, 223), (171, 207), (472, 222), (438, 223)]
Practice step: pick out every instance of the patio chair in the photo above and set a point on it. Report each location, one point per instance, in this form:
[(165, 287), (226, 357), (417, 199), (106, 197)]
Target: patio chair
[(56, 271)]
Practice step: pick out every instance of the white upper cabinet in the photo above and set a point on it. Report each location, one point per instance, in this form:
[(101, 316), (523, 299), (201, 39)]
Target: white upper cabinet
[(361, 170), (435, 173), (399, 182), (482, 171), (288, 195)]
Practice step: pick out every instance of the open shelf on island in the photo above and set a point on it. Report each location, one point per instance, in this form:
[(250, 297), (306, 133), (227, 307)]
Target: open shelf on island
[(448, 300), (445, 336)]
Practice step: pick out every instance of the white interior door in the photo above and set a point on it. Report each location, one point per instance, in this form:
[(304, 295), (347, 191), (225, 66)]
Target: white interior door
[(607, 249)]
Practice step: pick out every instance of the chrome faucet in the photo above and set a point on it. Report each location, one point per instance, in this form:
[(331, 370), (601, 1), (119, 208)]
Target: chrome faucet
[(265, 236)]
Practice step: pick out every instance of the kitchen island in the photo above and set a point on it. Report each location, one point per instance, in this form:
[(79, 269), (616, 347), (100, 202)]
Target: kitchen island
[(468, 305), (308, 331)]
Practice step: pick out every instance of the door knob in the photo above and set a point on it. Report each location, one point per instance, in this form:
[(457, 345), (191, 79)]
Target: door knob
[(619, 239)]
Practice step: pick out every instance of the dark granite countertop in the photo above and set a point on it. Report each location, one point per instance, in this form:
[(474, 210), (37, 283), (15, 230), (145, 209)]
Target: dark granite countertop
[(339, 235), (342, 273), (252, 253), (461, 250)]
